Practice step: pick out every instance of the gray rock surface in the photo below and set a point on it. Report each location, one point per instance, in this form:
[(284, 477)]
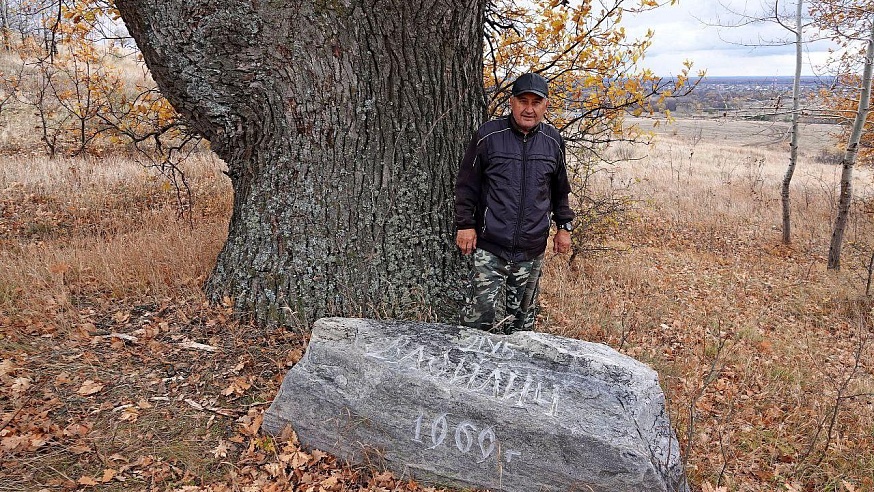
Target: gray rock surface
[(460, 407)]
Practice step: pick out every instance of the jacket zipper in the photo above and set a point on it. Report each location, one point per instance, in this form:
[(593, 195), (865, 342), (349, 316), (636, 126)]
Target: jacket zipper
[(521, 195), (485, 220)]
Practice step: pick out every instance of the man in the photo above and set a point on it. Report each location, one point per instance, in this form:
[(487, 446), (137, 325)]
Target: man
[(511, 179)]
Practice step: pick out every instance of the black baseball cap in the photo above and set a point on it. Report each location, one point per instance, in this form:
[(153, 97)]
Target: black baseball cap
[(531, 82)]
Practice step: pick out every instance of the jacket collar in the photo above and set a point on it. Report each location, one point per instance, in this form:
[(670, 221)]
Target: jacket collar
[(515, 127)]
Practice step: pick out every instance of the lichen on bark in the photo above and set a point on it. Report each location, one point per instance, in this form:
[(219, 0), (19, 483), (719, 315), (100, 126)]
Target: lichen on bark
[(342, 123)]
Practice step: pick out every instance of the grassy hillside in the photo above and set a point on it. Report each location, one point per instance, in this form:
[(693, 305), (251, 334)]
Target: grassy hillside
[(765, 355), (118, 376)]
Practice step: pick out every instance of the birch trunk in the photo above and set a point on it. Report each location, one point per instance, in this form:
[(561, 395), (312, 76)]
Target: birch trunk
[(793, 144), (849, 160), (342, 123), (4, 25)]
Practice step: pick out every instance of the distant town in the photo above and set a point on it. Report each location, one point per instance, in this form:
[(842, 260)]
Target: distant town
[(761, 98)]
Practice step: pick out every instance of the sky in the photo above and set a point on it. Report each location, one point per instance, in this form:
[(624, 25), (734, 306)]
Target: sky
[(682, 32)]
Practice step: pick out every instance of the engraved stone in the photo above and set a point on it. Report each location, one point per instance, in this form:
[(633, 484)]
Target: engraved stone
[(460, 407)]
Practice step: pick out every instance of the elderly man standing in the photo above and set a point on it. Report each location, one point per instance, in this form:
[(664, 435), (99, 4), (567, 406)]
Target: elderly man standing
[(512, 184)]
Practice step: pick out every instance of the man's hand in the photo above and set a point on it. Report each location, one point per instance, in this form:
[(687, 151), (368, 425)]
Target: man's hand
[(466, 240), (561, 242)]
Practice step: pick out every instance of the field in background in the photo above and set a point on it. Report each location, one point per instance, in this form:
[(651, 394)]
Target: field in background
[(766, 357), (816, 139), (118, 376)]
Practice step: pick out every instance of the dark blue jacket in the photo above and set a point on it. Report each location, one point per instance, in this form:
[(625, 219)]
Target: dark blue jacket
[(508, 185)]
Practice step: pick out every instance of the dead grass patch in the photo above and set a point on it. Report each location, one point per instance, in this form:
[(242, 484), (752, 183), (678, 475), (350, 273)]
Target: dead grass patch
[(756, 343), (766, 357)]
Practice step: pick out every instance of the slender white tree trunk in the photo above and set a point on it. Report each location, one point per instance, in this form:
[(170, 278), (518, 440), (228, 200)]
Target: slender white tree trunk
[(4, 24), (849, 160), (793, 145)]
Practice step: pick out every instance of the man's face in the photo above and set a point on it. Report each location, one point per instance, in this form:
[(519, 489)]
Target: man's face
[(528, 109)]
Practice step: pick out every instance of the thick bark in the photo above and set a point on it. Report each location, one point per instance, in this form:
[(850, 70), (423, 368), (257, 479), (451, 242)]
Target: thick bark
[(849, 160), (342, 123), (793, 145)]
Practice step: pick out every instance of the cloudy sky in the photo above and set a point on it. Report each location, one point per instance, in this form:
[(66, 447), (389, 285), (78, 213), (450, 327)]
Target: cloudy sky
[(682, 32)]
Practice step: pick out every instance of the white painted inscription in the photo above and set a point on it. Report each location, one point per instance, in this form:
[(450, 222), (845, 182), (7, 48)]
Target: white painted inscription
[(468, 437), (478, 364), (479, 344)]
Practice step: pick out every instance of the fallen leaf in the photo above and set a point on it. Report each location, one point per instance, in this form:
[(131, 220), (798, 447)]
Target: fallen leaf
[(36, 441), (108, 474), (78, 449), (76, 430), (292, 357), (238, 386), (319, 455), (384, 477), (63, 378), (129, 414), (274, 469), (221, 451), (13, 442), (90, 387), (86, 480), (249, 425), (87, 328), (20, 385), (6, 367), (331, 483), (299, 459)]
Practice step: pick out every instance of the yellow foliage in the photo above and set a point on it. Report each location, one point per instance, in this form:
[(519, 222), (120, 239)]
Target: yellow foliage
[(845, 104), (593, 68), (848, 24), (84, 97)]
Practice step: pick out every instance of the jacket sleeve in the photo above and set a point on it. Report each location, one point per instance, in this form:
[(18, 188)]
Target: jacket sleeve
[(561, 211), (468, 186)]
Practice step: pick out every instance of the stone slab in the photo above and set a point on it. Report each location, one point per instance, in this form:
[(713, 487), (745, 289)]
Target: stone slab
[(460, 407)]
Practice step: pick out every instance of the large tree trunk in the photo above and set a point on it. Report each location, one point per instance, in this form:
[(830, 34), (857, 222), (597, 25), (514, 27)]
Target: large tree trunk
[(342, 123), (849, 160), (796, 105)]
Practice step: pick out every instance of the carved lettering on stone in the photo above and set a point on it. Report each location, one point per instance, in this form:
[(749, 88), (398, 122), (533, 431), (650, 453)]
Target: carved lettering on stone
[(461, 407)]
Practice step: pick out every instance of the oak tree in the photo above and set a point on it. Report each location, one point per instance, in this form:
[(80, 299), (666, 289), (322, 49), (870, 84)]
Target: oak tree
[(341, 124)]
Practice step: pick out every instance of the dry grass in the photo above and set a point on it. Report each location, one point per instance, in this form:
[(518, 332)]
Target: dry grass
[(78, 228), (756, 342), (90, 248)]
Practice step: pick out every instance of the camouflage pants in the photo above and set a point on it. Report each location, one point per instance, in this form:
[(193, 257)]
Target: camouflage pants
[(490, 276)]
